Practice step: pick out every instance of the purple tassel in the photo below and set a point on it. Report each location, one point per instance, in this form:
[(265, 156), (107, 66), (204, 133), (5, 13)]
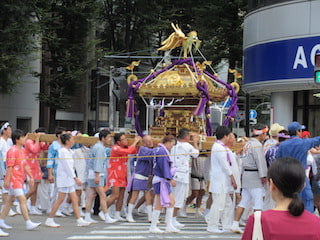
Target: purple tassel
[(204, 98), (208, 122), (203, 102), (233, 109)]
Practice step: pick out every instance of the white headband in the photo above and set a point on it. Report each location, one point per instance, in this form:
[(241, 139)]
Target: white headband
[(258, 132), (4, 127)]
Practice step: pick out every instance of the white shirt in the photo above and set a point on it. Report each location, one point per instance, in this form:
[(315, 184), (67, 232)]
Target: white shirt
[(220, 170), (80, 156), (235, 172), (181, 156), (65, 169), (269, 143), (5, 145)]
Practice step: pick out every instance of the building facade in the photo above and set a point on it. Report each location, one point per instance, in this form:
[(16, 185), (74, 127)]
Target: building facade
[(21, 108), (281, 39)]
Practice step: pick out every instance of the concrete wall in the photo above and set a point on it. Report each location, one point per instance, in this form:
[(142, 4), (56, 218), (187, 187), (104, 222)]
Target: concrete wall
[(22, 104)]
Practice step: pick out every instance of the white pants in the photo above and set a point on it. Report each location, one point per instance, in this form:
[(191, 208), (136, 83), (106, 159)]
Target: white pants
[(44, 195), (221, 208), (228, 212), (252, 194), (268, 202), (180, 194)]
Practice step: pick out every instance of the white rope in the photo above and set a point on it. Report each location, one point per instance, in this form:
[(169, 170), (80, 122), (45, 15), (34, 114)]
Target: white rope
[(212, 80), (155, 69)]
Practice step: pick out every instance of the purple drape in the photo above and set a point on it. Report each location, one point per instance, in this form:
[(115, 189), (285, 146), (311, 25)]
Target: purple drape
[(133, 111), (233, 109)]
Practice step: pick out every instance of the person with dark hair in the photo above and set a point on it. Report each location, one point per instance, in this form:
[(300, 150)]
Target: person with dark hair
[(270, 154), (163, 182), (52, 164), (198, 182), (288, 220), (65, 181), (181, 156), (221, 180), (117, 170), (97, 170), (274, 139), (298, 148), (5, 144), (141, 173), (17, 169), (253, 176), (33, 149)]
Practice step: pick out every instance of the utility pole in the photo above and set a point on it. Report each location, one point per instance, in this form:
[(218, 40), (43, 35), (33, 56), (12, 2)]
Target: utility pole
[(247, 107), (111, 99), (97, 102)]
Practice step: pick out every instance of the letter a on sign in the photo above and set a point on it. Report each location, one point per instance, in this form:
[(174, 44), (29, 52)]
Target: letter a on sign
[(300, 58)]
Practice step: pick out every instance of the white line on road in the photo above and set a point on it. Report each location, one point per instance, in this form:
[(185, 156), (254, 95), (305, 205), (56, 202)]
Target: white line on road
[(105, 237), (147, 227), (164, 236), (183, 232)]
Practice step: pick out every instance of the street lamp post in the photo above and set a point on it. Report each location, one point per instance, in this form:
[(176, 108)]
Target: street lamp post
[(97, 102), (103, 72), (111, 100)]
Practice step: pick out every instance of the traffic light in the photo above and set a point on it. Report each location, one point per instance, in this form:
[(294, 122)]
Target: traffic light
[(317, 68), (317, 76)]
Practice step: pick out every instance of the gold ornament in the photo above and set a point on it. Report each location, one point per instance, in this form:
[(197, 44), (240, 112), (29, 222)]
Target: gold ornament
[(133, 65), (178, 38), (131, 78), (236, 86)]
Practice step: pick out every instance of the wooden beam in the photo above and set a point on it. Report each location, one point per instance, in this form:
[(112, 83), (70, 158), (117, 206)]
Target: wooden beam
[(89, 141)]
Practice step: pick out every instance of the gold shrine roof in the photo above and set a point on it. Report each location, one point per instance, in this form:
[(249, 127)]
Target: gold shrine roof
[(180, 82)]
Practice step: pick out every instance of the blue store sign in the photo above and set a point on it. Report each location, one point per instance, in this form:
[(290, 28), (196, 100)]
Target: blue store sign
[(253, 114), (287, 59)]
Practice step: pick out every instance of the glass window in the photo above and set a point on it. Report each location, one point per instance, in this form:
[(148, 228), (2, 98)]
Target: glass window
[(256, 4)]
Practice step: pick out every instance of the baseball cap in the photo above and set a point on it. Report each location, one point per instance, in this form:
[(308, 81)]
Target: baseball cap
[(305, 133), (275, 129), (295, 126)]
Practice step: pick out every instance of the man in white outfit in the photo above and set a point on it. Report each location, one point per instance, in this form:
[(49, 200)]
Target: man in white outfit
[(253, 176), (181, 155), (221, 179)]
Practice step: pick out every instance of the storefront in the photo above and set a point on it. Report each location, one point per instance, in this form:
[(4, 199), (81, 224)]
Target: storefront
[(281, 39)]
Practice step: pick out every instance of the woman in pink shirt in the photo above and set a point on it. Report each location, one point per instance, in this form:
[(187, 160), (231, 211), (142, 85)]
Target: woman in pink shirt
[(14, 179), (33, 149), (288, 220)]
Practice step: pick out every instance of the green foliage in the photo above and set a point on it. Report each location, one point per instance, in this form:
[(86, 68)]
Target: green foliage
[(70, 45), (17, 28), (65, 29), (143, 24), (220, 26)]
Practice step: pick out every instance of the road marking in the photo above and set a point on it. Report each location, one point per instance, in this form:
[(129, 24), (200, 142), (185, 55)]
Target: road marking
[(194, 229), (139, 227), (163, 236), (146, 231), (105, 237)]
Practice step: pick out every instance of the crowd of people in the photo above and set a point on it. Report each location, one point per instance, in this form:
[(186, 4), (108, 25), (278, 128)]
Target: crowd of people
[(276, 169)]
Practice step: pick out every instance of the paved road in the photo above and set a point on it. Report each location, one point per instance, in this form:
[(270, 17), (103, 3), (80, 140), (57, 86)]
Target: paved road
[(195, 229)]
